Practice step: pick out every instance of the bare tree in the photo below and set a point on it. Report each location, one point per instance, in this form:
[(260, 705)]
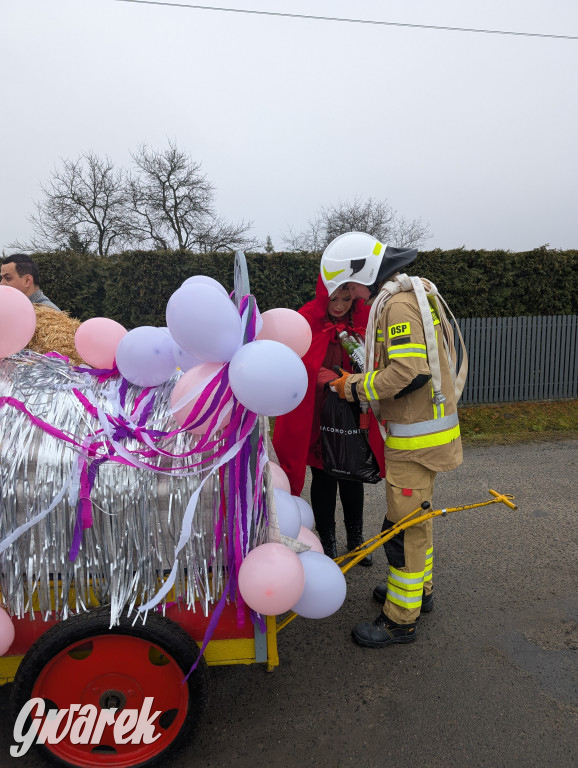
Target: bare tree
[(219, 235), (312, 240), (89, 206), (172, 205), (376, 217), (84, 202)]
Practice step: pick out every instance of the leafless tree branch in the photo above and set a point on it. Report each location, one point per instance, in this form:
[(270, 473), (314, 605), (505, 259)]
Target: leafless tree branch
[(84, 201), (174, 201), (166, 202), (376, 217)]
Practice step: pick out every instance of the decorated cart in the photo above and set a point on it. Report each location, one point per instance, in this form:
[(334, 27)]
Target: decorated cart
[(145, 534), (122, 532)]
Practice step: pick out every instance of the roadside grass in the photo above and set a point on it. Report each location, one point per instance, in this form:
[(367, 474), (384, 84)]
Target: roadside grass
[(507, 423)]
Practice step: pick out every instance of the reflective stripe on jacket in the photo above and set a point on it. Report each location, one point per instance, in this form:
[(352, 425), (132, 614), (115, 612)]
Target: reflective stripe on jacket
[(418, 429)]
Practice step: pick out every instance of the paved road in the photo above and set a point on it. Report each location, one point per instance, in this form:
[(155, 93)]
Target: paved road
[(491, 680)]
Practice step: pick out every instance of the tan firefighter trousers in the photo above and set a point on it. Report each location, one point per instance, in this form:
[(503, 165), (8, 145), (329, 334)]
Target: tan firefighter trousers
[(410, 554)]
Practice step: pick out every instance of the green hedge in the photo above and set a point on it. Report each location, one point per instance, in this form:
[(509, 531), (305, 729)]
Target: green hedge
[(134, 287), (504, 284), (74, 282)]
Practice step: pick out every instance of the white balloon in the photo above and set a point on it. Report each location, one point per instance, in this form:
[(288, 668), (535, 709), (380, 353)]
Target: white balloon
[(204, 322), (325, 586), (206, 280), (268, 377), (307, 518), (288, 515), (144, 356)]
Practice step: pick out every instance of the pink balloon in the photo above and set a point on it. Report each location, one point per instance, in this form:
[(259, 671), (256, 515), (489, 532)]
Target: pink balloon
[(17, 320), (308, 537), (288, 327), (280, 479), (6, 626), (271, 579), (96, 341), (188, 382)]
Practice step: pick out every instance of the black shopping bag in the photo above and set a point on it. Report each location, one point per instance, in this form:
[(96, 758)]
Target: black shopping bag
[(345, 450)]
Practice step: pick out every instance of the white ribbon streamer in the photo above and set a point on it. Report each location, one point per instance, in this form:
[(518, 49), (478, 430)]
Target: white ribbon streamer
[(11, 538), (186, 530)]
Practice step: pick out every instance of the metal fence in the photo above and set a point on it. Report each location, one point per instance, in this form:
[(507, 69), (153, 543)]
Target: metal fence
[(520, 358)]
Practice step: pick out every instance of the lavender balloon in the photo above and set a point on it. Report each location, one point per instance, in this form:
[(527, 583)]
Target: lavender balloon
[(288, 515), (205, 280), (184, 360), (144, 356), (267, 377), (325, 586), (204, 322), (307, 518)]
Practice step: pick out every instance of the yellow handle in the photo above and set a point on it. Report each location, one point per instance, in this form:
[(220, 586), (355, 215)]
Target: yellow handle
[(504, 499), (417, 516)]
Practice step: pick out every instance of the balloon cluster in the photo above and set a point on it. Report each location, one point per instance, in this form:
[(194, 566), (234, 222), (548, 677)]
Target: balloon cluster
[(204, 333), (227, 359), (273, 579)]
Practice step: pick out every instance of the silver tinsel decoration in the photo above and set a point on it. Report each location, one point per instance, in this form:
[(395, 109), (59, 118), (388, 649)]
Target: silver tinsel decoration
[(137, 513)]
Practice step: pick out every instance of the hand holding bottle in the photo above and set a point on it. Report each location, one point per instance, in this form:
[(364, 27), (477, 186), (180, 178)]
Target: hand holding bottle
[(355, 351)]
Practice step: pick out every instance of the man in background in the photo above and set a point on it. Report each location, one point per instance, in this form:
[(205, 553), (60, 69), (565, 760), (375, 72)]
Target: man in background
[(20, 272)]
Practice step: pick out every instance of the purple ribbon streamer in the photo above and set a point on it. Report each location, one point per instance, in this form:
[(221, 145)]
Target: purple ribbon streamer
[(102, 374), (214, 620), (84, 507)]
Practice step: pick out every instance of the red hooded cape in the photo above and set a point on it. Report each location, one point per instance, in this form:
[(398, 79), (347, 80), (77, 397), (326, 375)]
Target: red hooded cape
[(295, 431)]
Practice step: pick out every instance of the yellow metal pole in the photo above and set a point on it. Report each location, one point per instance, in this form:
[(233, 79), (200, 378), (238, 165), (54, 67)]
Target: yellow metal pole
[(272, 652), (347, 561)]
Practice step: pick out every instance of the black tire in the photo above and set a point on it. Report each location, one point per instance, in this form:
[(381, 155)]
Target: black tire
[(162, 634)]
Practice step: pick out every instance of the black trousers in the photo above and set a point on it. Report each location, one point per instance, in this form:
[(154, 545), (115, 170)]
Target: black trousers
[(324, 500)]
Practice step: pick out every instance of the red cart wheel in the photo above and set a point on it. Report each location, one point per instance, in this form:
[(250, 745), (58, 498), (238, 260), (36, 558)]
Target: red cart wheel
[(81, 661)]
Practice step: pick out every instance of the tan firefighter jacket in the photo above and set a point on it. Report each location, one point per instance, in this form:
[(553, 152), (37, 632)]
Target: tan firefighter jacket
[(417, 430)]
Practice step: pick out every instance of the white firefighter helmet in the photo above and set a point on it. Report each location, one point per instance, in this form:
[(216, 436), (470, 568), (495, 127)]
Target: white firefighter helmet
[(351, 257), (356, 257)]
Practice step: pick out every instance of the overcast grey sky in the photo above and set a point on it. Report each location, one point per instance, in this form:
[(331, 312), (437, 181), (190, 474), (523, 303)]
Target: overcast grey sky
[(474, 133)]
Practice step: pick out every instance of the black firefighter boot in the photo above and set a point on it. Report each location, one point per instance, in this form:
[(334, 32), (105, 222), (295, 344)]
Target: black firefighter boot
[(382, 632), (328, 542), (354, 530)]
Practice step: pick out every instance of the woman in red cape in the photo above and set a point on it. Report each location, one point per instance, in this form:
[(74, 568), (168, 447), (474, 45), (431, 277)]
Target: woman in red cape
[(296, 437)]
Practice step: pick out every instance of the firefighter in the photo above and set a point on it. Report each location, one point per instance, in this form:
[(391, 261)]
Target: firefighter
[(412, 387)]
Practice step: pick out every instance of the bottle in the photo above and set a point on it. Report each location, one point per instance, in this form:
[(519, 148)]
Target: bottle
[(356, 353)]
